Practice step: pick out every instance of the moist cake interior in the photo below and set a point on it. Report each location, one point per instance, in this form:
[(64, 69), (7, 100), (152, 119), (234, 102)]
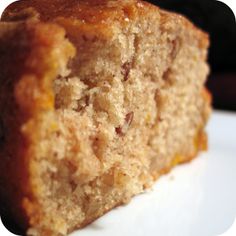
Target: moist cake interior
[(126, 110)]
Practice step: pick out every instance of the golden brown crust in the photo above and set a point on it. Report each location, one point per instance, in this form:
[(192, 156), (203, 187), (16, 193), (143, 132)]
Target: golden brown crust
[(25, 94), (101, 13), (10, 117)]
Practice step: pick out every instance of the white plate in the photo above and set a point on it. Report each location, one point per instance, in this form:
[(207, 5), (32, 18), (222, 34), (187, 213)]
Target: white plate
[(195, 199)]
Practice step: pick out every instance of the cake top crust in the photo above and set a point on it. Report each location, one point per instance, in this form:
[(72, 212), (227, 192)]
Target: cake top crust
[(101, 13), (87, 11)]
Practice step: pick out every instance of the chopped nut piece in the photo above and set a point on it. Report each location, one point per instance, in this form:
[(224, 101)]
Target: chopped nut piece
[(125, 70), (83, 102), (128, 120)]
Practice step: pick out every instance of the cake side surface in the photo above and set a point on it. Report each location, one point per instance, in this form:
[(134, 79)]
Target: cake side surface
[(27, 66), (129, 106)]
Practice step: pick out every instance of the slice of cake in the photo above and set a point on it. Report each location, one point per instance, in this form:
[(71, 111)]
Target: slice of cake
[(97, 100)]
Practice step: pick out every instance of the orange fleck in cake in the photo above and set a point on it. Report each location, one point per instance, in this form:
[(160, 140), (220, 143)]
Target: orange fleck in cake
[(97, 100)]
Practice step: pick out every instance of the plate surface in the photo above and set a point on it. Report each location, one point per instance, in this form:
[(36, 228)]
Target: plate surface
[(194, 199)]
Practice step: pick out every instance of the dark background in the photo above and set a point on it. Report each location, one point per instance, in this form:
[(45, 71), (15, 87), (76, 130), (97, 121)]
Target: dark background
[(218, 20)]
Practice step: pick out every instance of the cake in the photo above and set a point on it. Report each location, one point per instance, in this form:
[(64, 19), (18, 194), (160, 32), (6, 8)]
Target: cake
[(97, 100)]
